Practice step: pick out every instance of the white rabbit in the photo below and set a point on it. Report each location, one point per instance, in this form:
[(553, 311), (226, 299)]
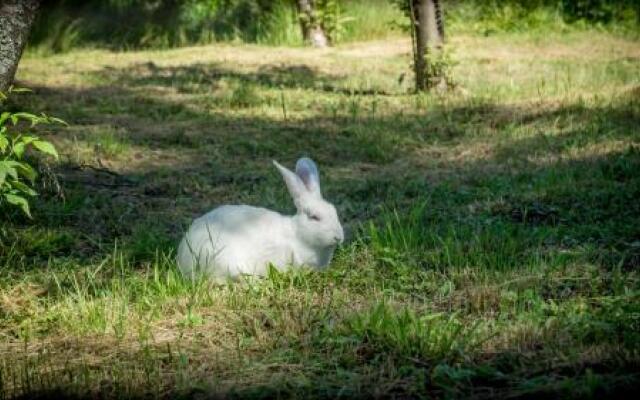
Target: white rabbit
[(239, 239)]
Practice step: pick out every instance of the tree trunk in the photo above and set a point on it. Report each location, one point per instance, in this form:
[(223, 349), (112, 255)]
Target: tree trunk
[(428, 41), (16, 17), (312, 31)]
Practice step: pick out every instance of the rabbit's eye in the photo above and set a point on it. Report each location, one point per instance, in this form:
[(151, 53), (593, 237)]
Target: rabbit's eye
[(314, 217)]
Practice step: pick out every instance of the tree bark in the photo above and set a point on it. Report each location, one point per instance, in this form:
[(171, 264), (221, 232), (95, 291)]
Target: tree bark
[(312, 31), (16, 18), (428, 41)]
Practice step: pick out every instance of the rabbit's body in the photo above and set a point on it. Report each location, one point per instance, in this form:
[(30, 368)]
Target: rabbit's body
[(238, 239)]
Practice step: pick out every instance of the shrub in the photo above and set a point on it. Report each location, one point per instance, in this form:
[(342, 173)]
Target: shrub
[(17, 175)]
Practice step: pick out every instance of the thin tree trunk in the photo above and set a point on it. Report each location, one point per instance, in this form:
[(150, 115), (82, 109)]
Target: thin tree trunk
[(312, 31), (428, 40), (16, 18)]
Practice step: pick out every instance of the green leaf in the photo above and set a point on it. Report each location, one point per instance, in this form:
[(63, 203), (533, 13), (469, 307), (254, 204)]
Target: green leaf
[(21, 186), (4, 142), (3, 175), (18, 201), (4, 116), (8, 168), (20, 90), (18, 149), (45, 147), (34, 119), (26, 171), (27, 139), (11, 163), (57, 120)]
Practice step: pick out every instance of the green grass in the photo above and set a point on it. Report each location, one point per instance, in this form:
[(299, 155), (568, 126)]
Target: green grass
[(493, 232), (145, 24), (63, 26)]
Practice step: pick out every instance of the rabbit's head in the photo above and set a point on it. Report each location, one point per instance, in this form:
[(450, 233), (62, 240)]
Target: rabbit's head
[(317, 221)]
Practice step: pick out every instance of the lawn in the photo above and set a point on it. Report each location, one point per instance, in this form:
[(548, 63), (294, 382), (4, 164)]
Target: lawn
[(493, 232)]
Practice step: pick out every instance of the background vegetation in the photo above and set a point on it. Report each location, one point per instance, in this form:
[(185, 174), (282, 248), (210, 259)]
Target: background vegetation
[(126, 24), (493, 231)]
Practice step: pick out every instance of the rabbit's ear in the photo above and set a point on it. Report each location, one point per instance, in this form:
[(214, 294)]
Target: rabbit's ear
[(294, 184), (308, 173)]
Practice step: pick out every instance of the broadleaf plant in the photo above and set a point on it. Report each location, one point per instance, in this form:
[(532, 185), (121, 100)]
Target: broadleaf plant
[(17, 176)]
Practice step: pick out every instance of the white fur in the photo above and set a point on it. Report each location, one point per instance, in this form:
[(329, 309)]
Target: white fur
[(238, 239)]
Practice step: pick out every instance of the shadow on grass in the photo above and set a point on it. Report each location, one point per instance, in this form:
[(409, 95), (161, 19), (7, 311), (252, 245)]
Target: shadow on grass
[(537, 185), (182, 156), (563, 178), (206, 78)]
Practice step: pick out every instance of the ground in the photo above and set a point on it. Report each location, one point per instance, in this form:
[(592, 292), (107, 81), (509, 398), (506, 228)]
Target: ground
[(493, 232)]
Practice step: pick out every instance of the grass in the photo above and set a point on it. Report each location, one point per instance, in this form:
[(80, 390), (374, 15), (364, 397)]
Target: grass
[(493, 241), (62, 27)]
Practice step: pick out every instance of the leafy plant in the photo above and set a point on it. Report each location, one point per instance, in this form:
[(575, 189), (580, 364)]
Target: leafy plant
[(17, 175), (440, 69)]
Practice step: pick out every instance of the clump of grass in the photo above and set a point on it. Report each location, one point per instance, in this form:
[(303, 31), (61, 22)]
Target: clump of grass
[(244, 95), (33, 242), (369, 20), (145, 241), (281, 27), (432, 338), (420, 240), (107, 141)]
